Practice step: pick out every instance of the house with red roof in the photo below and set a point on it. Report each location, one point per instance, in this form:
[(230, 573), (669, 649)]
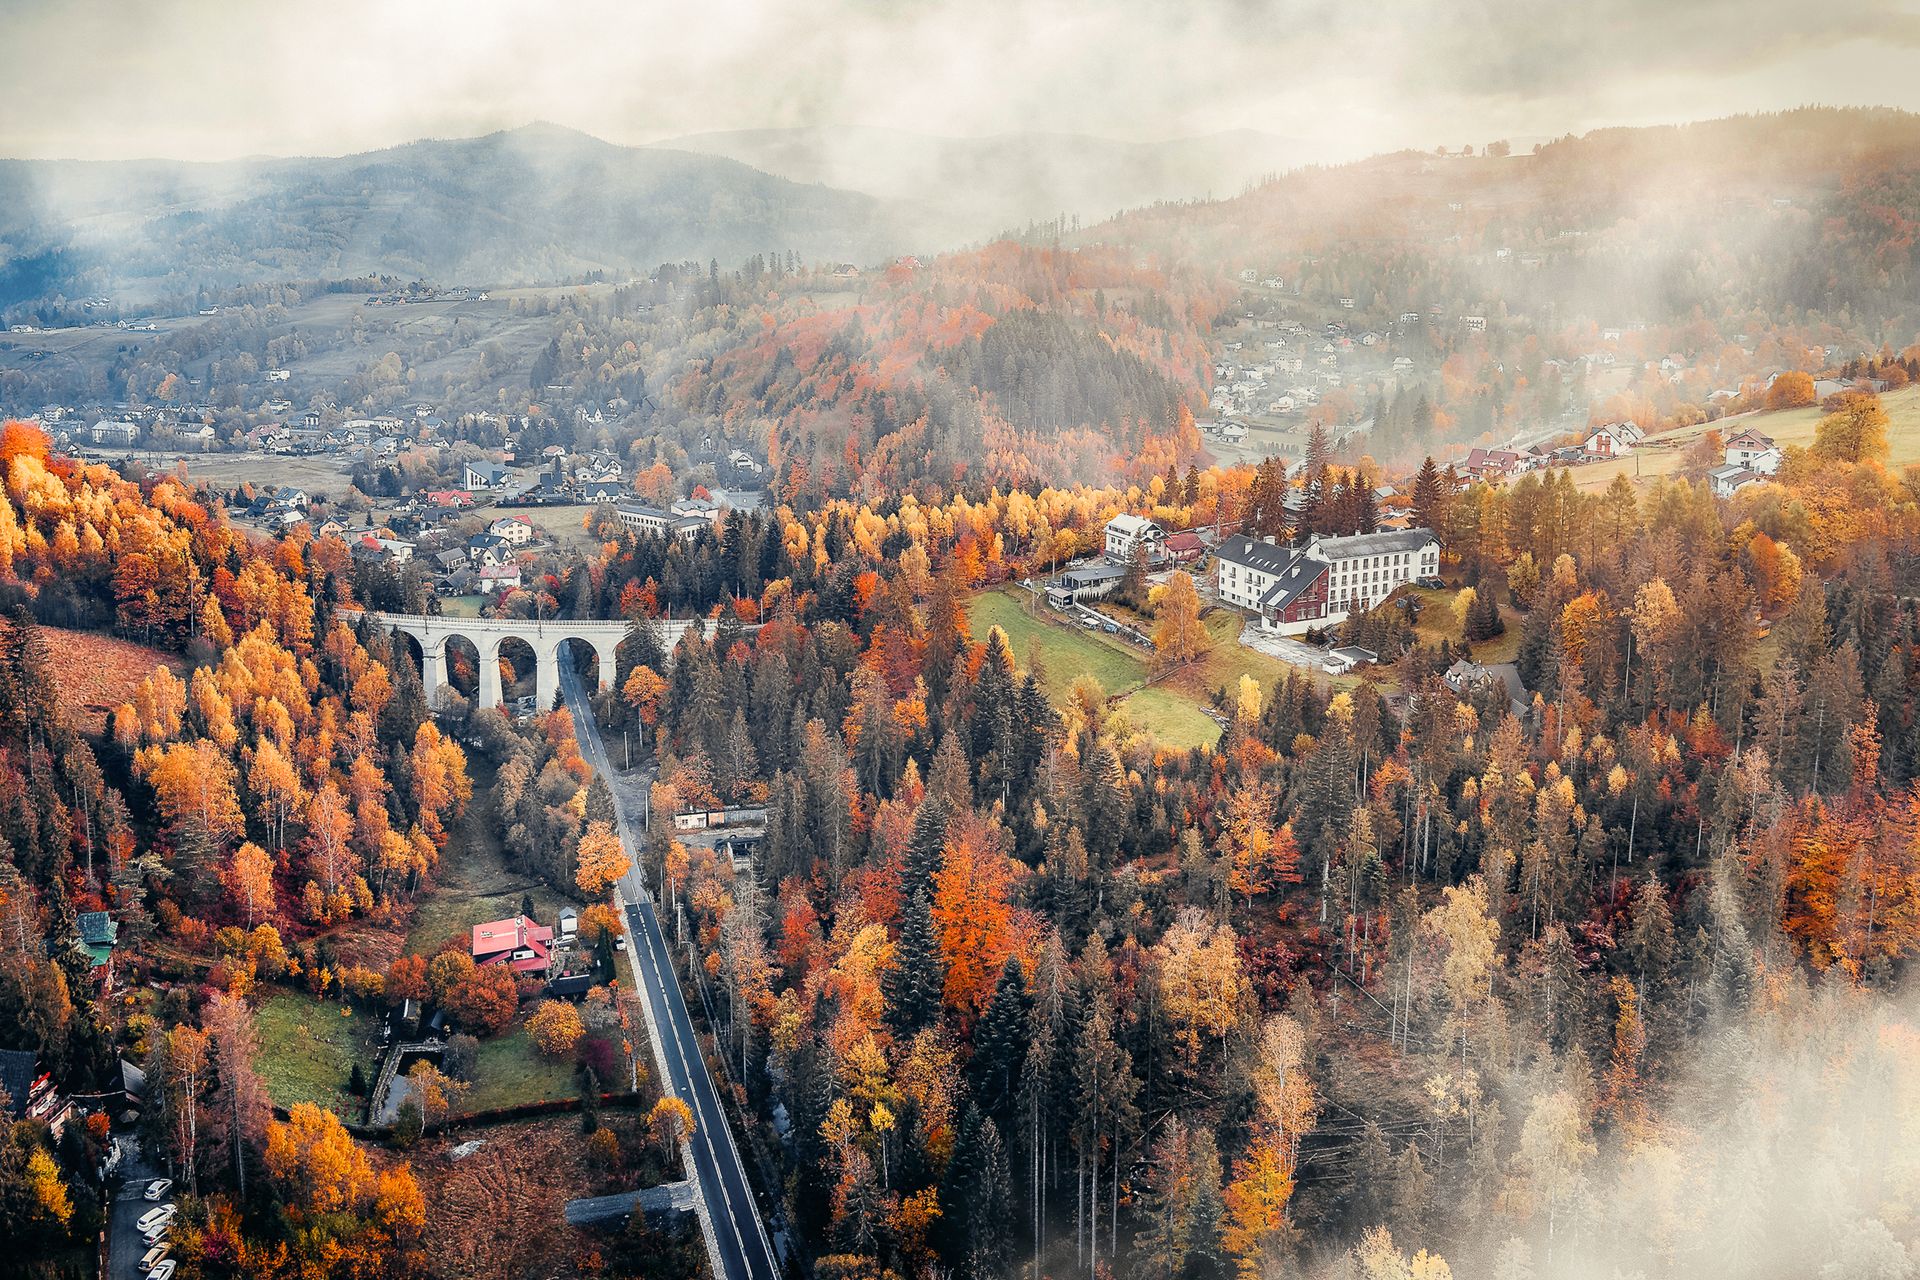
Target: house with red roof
[(516, 941)]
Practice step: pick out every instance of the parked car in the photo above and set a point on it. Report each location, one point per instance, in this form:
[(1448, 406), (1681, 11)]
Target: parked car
[(1431, 582), (620, 943), (154, 1256), (158, 1188), (154, 1218), (162, 1272)]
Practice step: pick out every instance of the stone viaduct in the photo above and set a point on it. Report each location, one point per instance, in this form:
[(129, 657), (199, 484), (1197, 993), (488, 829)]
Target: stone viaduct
[(547, 639)]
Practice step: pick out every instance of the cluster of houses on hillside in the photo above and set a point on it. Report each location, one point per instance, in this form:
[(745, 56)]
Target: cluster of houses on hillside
[(1609, 440), (1289, 374)]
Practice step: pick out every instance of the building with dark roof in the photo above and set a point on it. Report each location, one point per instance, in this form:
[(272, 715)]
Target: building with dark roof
[(1292, 590)]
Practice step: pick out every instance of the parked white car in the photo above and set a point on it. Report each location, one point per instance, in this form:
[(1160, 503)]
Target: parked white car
[(155, 1218), (162, 1272), (158, 1188)]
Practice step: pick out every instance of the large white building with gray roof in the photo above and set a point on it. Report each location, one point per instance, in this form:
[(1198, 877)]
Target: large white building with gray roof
[(1319, 585)]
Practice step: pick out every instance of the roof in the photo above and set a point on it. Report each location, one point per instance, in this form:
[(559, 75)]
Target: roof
[(1301, 573), (1266, 557), (1750, 438), (97, 928), (19, 1068), (1131, 526), (1185, 540), (571, 984), (510, 934), (1373, 544), (1089, 575)]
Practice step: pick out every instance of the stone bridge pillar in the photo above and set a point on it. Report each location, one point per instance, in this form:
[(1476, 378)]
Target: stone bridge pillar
[(546, 682), (433, 665), (489, 647), (604, 652)]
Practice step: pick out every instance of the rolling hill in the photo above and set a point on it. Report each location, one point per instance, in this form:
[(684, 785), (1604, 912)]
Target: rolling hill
[(532, 205), (972, 188)]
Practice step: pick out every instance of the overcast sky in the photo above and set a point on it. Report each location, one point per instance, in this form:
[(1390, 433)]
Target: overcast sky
[(213, 79)]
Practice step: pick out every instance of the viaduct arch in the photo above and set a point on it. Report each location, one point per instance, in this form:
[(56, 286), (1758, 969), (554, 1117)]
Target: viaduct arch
[(547, 638)]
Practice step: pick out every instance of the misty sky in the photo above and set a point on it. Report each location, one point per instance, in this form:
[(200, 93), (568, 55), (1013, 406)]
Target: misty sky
[(213, 79)]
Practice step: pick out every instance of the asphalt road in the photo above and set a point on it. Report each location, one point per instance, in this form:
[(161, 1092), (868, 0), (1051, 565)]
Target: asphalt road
[(745, 1251)]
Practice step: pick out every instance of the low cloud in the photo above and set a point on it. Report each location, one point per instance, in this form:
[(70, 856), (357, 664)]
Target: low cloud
[(212, 79)]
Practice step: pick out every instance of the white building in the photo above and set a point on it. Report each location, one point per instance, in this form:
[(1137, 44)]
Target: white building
[(1754, 451), (1126, 533), (1321, 584), (513, 529), (660, 524)]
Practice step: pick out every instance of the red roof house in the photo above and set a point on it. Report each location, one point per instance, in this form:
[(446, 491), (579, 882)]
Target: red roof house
[(516, 941), (1185, 546)]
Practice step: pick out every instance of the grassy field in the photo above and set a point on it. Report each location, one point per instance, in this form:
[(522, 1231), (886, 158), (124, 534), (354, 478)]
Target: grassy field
[(1171, 709), (1064, 653), (1662, 454), (474, 884), (98, 672), (308, 1048), (510, 1071), (1438, 621)]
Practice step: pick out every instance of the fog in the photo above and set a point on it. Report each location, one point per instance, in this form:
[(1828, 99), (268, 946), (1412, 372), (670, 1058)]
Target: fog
[(214, 79), (1792, 1150)]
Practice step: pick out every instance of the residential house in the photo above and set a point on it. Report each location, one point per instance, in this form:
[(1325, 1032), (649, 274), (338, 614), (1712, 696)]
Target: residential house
[(1614, 440), (1754, 451), (485, 548), (1321, 584), (114, 432), (29, 1090), (601, 492), (1493, 465), (512, 530), (491, 578), (517, 942), (1464, 676), (1127, 534), (450, 499), (99, 932), (1184, 547), (1729, 478), (1090, 582)]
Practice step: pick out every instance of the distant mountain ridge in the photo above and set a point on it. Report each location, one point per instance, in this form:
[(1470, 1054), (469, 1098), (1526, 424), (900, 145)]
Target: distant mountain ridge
[(968, 188), (529, 205)]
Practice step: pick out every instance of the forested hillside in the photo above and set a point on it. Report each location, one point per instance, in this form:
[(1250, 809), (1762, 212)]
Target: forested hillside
[(539, 204)]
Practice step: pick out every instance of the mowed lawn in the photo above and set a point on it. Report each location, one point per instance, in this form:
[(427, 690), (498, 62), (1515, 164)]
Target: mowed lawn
[(308, 1047), (1065, 652), (1439, 621), (1173, 710), (509, 1071), (1662, 454)]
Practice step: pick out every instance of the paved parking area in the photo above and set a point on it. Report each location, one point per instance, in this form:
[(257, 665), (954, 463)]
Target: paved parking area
[(125, 1248), (1287, 650)]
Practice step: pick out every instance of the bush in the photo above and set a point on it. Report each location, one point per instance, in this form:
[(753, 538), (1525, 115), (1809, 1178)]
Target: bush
[(408, 1125), (462, 1058), (603, 1148)]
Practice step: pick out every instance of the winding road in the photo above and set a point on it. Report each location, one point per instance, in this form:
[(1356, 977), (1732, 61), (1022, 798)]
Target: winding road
[(738, 1234)]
